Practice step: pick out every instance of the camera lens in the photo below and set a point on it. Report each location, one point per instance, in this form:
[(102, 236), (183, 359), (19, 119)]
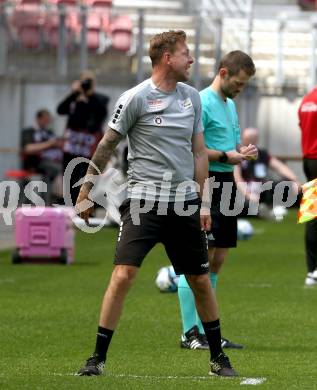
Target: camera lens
[(86, 84)]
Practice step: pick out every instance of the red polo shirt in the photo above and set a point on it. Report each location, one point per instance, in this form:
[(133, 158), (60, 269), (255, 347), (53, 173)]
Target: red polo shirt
[(307, 114)]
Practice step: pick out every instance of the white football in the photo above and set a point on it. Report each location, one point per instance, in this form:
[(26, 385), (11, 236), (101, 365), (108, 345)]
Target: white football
[(245, 229), (166, 279)]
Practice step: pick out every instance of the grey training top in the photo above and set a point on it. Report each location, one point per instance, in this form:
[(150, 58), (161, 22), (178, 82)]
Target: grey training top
[(159, 127)]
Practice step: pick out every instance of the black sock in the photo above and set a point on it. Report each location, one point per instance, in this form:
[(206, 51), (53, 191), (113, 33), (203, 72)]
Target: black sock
[(102, 342), (213, 334)]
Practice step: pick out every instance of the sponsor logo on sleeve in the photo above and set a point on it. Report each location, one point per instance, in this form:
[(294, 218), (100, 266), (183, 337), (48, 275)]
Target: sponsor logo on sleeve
[(309, 107), (116, 114)]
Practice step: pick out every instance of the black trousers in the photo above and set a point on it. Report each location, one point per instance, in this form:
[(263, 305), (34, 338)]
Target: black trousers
[(310, 169)]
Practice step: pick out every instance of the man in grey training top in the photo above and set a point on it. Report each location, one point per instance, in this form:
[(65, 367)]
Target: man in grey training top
[(162, 119)]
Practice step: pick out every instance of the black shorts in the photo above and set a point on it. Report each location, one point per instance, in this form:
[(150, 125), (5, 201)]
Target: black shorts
[(185, 243), (223, 232)]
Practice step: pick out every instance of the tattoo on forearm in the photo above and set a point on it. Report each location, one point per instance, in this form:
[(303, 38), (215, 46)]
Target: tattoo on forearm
[(104, 151)]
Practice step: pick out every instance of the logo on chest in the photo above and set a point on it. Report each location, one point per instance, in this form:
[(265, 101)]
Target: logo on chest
[(185, 104), (158, 120), (155, 104)]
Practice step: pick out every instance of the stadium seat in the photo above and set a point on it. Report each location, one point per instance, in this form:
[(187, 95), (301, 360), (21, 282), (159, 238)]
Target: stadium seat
[(94, 29), (30, 37), (18, 174), (36, 2), (27, 19), (100, 3), (105, 18), (27, 13), (22, 177), (121, 33), (52, 28), (72, 3), (101, 6)]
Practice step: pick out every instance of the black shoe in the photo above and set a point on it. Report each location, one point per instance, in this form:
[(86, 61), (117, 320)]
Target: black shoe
[(221, 366), (193, 340), (94, 366), (225, 343)]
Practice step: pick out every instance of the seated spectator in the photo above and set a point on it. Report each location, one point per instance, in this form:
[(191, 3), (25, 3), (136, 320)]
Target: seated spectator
[(42, 151), (251, 174)]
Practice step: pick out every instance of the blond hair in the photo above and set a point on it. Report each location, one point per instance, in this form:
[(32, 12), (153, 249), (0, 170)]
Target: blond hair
[(87, 74), (166, 41)]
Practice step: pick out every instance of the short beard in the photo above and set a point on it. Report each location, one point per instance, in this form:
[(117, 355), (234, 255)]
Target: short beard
[(227, 94)]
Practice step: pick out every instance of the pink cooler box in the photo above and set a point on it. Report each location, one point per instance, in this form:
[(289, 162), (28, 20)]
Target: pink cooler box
[(44, 234)]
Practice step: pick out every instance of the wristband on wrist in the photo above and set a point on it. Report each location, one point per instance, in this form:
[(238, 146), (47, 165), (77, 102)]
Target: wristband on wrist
[(223, 157)]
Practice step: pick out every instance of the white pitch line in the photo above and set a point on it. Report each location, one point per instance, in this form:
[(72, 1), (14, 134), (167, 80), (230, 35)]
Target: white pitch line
[(140, 376), (244, 380), (159, 377), (253, 381)]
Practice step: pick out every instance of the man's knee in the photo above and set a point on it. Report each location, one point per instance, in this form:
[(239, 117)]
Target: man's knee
[(198, 283), (123, 276), (218, 258), (216, 264)]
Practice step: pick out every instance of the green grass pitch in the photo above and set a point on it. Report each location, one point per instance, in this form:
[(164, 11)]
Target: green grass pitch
[(49, 315)]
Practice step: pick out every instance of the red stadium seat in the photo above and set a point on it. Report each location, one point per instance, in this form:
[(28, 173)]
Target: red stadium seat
[(30, 37), (18, 174), (100, 3), (105, 20), (101, 6), (93, 39), (94, 28), (68, 2), (23, 177), (72, 3), (52, 28), (121, 33), (26, 14), (28, 20), (36, 2)]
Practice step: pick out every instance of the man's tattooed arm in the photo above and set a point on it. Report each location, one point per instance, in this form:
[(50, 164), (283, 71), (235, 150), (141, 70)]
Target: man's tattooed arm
[(102, 154)]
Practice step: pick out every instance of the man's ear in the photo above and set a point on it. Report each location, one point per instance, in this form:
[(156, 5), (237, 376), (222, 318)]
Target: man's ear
[(166, 57), (223, 72)]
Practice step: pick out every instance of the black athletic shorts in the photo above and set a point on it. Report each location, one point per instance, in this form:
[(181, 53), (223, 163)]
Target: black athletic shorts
[(185, 243), (223, 232)]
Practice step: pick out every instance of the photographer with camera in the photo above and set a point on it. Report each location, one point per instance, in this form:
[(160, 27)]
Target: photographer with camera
[(86, 111)]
